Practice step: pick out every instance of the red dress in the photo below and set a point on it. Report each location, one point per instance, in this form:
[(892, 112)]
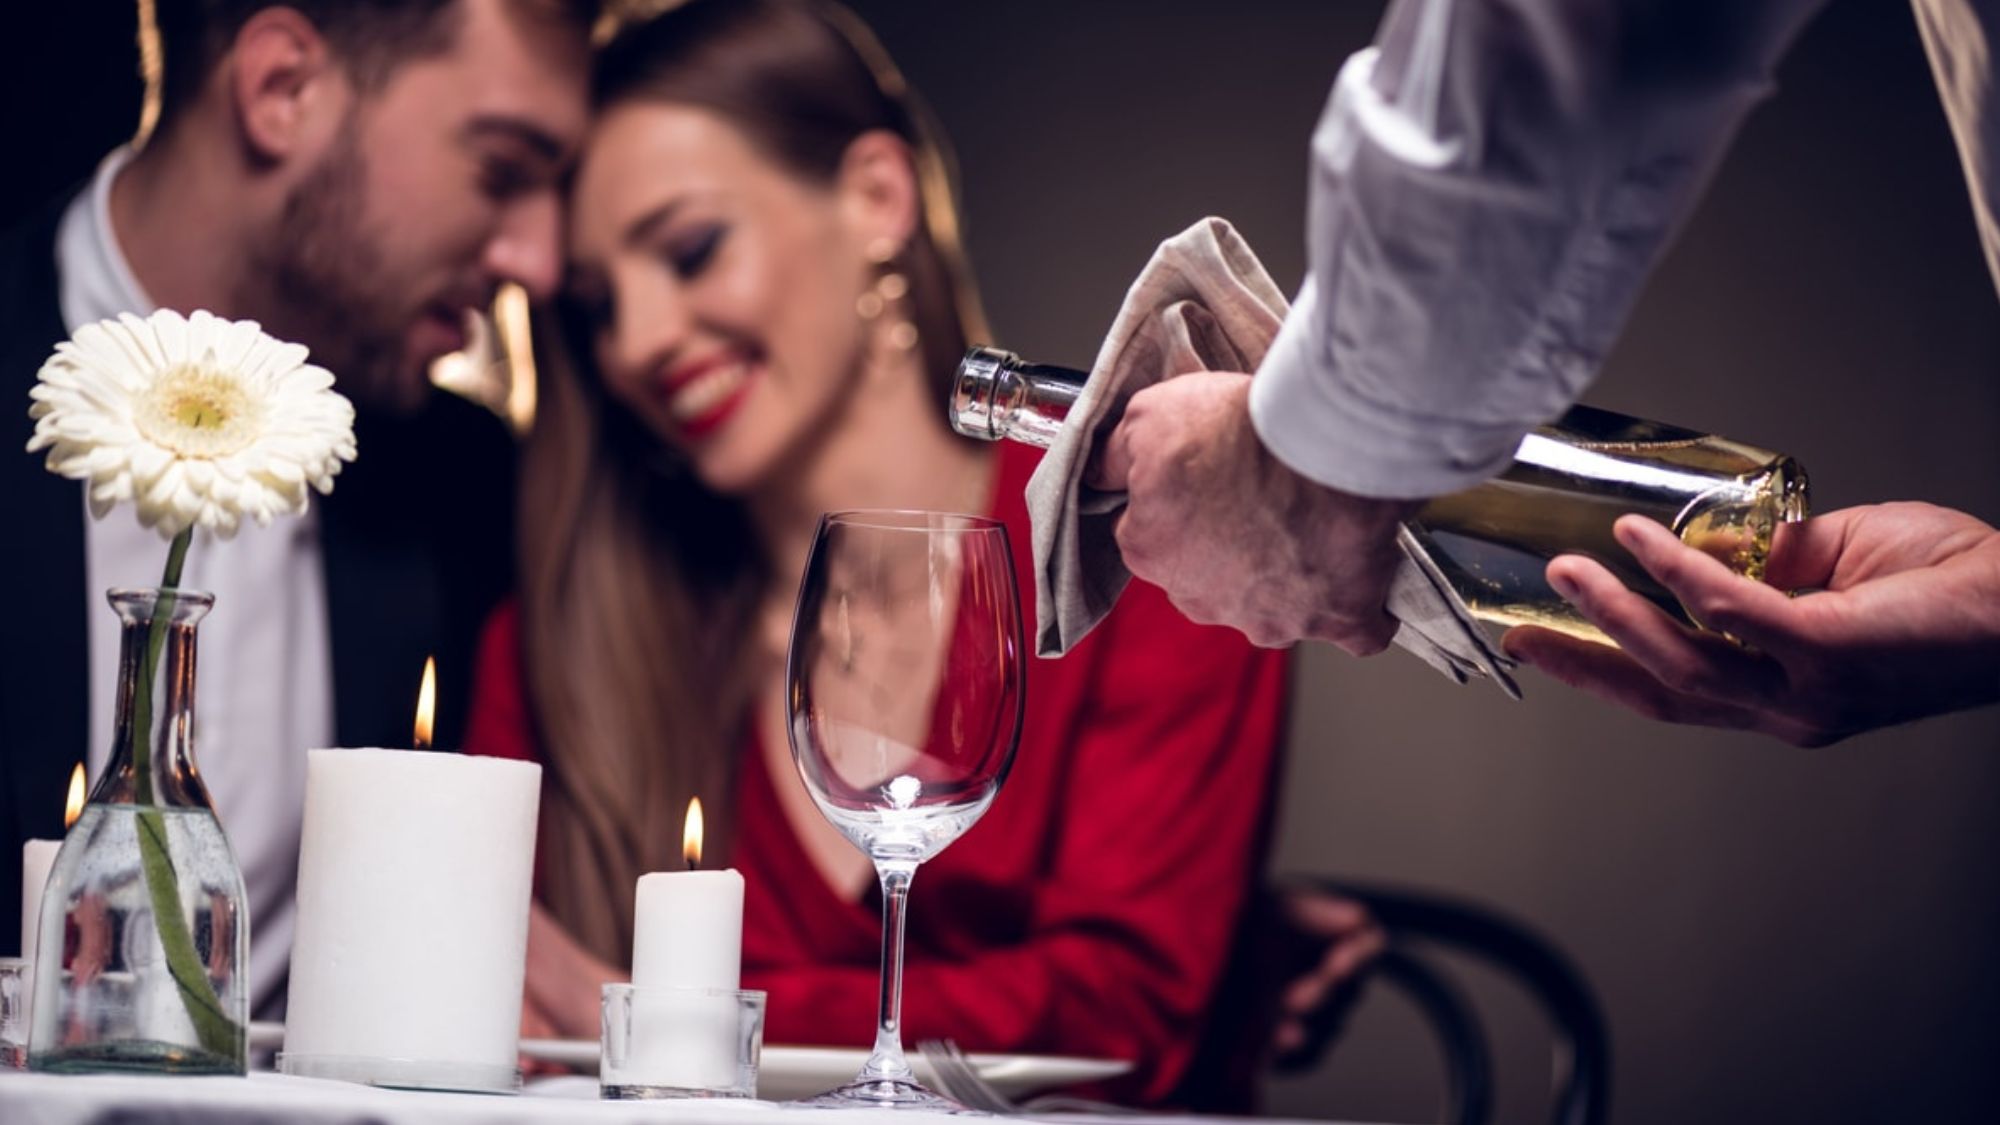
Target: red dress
[(1090, 912)]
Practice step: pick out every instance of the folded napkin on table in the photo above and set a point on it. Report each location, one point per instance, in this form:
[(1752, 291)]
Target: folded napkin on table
[(1204, 303)]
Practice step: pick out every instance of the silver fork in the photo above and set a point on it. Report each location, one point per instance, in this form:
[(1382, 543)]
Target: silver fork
[(961, 1080)]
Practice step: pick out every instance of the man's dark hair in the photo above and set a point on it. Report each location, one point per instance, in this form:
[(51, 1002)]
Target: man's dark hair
[(370, 37)]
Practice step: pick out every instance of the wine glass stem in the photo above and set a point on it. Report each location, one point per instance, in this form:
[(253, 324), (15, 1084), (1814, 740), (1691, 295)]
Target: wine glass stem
[(887, 1064)]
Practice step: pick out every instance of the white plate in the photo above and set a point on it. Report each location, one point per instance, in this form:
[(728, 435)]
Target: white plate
[(786, 1073)]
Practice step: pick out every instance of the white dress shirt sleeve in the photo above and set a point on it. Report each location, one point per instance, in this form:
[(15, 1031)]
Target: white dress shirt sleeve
[(1492, 182), (1960, 37)]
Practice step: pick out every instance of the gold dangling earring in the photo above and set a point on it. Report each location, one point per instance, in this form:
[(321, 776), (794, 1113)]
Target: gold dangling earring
[(887, 294)]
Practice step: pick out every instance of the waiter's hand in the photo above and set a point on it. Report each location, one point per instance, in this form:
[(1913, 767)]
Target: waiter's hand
[(1906, 624), (1236, 538)]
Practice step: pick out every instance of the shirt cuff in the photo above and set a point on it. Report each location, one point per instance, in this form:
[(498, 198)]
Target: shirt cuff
[(1329, 434)]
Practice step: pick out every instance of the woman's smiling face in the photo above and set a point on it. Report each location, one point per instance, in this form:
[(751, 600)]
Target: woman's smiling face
[(720, 288)]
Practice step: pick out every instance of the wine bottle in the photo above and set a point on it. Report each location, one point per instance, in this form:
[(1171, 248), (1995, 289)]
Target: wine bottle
[(1569, 482)]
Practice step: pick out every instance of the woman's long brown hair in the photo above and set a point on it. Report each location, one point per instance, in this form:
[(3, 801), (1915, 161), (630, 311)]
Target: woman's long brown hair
[(639, 585)]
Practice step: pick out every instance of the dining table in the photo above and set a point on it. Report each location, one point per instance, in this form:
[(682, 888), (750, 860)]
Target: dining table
[(268, 1098)]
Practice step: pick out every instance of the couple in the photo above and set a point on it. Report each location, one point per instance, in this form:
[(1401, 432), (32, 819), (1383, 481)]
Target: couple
[(755, 290)]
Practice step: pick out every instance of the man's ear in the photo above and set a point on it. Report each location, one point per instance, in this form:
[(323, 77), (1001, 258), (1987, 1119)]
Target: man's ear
[(877, 186), (286, 89)]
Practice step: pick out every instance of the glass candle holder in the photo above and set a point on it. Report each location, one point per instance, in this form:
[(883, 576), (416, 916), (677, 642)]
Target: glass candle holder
[(16, 988), (680, 1042)]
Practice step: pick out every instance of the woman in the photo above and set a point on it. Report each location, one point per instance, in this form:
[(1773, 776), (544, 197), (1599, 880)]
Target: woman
[(766, 295)]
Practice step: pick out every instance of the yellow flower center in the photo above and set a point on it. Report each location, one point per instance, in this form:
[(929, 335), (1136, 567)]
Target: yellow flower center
[(196, 410)]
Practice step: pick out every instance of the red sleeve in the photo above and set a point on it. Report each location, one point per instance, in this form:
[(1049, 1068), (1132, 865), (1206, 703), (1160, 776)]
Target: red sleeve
[(1157, 840), (501, 725)]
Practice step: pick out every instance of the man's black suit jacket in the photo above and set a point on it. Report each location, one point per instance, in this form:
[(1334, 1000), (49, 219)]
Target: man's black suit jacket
[(417, 541)]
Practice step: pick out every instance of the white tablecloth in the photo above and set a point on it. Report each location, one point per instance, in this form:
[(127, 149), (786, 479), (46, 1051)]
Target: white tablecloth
[(117, 1099)]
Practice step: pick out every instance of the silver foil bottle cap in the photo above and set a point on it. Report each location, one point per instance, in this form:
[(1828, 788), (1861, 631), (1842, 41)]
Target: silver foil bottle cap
[(976, 393)]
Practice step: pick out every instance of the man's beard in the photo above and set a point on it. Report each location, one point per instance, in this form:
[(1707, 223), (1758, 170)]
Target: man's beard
[(318, 278)]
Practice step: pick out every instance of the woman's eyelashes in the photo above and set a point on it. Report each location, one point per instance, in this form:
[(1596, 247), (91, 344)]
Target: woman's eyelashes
[(689, 252)]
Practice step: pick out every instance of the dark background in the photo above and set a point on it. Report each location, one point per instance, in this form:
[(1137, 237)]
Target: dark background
[(1777, 934)]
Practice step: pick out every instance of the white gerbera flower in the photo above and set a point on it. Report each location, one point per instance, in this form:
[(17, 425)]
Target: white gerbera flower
[(199, 421)]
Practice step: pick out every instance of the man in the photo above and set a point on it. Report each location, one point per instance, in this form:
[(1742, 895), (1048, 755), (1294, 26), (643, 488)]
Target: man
[(357, 175), (1492, 183)]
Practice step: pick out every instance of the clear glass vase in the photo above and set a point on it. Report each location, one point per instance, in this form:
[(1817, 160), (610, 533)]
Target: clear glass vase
[(144, 948)]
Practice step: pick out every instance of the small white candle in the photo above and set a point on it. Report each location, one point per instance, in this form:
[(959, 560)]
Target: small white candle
[(687, 926), (688, 930), (687, 933), (37, 857), (415, 870)]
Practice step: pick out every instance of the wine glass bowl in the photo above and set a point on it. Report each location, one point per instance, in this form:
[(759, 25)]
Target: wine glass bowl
[(905, 683), (895, 812)]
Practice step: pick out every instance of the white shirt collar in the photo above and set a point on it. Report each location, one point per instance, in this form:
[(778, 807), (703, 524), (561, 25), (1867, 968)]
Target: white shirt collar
[(97, 281)]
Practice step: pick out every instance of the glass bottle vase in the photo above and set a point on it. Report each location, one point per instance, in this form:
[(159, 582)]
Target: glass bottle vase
[(144, 924)]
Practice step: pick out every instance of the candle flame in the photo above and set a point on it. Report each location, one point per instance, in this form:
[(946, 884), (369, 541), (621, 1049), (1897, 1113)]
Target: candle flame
[(73, 807), (691, 834), (426, 703)]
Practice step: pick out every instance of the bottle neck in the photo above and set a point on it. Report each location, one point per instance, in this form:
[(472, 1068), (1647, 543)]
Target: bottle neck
[(997, 395), (152, 752)]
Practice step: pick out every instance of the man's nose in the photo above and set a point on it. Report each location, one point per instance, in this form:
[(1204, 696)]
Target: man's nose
[(527, 248)]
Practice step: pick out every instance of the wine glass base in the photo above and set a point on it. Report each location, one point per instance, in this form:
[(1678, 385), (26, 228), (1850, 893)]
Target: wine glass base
[(886, 1094)]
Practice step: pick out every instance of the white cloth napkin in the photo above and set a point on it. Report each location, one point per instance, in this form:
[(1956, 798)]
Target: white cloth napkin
[(1204, 303)]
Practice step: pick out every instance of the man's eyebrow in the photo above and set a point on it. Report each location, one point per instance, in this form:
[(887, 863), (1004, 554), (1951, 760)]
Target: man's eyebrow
[(544, 145)]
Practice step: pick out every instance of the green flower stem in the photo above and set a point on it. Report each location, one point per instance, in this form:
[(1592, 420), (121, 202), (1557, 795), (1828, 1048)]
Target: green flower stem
[(156, 639), (218, 1033)]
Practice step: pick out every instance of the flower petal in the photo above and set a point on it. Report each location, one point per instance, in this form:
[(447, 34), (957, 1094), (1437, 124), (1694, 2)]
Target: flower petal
[(196, 421)]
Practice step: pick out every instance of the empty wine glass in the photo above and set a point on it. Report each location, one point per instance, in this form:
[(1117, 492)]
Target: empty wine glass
[(904, 687)]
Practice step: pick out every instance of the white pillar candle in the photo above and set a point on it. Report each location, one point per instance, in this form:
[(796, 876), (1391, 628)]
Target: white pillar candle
[(687, 930), (415, 871), (37, 857)]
